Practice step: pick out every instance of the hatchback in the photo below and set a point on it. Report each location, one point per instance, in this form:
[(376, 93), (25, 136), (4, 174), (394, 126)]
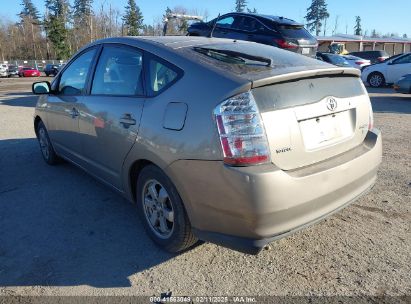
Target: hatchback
[(271, 30), (232, 142)]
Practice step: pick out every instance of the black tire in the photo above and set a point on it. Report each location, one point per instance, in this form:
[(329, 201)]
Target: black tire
[(46, 148), (376, 80), (180, 236)]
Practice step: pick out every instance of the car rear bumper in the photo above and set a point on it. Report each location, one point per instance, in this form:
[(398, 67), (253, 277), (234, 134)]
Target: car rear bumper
[(244, 208)]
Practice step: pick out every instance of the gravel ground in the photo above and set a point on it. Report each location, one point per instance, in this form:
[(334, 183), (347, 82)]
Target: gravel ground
[(64, 233)]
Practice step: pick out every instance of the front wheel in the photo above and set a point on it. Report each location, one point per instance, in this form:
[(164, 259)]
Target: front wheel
[(47, 150), (162, 211), (376, 79)]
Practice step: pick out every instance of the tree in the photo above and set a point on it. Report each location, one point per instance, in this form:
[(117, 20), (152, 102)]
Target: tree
[(357, 27), (133, 19), (253, 11), (375, 34), (55, 25), (82, 22), (316, 13), (405, 36), (29, 10), (240, 5)]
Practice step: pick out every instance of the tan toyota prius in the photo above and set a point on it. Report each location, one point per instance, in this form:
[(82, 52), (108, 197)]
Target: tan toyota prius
[(231, 142)]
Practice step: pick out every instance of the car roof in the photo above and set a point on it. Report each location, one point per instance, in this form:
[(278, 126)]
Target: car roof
[(277, 19)]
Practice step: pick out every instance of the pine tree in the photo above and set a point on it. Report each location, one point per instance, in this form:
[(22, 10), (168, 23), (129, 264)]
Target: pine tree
[(133, 19), (253, 11), (29, 10), (55, 26), (316, 13), (240, 5), (82, 8), (357, 27), (404, 36)]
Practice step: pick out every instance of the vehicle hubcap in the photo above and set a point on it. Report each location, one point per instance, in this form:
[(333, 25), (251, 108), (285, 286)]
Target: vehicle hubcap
[(158, 209), (44, 143), (375, 80)]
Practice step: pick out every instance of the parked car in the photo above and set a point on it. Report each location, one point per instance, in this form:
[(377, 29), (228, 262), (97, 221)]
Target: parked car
[(29, 72), (334, 59), (231, 142), (3, 72), (373, 56), (357, 62), (51, 69), (387, 72), (403, 85), (12, 71), (271, 30)]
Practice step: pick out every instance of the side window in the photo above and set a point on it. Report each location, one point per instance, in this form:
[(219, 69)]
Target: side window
[(225, 22), (402, 60), (119, 72), (249, 24), (73, 80), (161, 75)]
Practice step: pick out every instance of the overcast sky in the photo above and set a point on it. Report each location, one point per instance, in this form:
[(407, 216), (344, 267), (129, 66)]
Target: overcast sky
[(382, 15)]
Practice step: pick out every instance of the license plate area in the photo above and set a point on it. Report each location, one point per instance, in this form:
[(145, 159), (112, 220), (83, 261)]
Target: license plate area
[(305, 51), (327, 130)]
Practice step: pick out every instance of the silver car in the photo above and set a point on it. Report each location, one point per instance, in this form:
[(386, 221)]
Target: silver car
[(231, 142)]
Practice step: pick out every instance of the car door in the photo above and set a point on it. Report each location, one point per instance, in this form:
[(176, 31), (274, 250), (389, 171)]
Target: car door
[(250, 29), (109, 121), (398, 68), (65, 104)]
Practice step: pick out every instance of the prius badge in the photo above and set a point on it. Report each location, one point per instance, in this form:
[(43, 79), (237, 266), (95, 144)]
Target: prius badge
[(331, 104)]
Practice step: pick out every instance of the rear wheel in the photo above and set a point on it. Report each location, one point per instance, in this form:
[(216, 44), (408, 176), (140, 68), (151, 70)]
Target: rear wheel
[(376, 79), (47, 150), (162, 211)]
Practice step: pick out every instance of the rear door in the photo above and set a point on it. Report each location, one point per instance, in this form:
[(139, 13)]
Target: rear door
[(110, 120), (398, 68), (310, 120), (226, 27)]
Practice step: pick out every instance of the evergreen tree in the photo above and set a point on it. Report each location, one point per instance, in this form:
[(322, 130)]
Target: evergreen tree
[(404, 36), (253, 11), (82, 9), (55, 26), (316, 13), (240, 5), (133, 19), (357, 27), (29, 10)]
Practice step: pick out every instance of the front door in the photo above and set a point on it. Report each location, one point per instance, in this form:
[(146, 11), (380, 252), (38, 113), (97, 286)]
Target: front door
[(65, 105), (111, 115), (398, 68)]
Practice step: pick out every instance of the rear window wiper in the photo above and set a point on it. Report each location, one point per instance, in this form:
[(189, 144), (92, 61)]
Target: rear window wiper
[(207, 51)]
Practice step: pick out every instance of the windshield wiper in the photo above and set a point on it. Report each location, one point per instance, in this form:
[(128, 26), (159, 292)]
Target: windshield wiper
[(235, 54)]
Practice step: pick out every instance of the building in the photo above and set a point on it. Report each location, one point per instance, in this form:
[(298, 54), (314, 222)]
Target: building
[(353, 43)]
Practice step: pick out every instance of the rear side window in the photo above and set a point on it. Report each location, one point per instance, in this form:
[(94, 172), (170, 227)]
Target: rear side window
[(119, 72), (225, 22), (403, 60), (161, 75), (294, 31)]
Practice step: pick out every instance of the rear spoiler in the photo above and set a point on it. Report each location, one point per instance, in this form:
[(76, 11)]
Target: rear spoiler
[(306, 74)]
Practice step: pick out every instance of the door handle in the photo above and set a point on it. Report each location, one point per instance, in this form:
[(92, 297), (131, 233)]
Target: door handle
[(127, 120), (74, 113)]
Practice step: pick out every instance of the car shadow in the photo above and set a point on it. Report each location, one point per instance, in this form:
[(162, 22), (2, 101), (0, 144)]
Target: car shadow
[(21, 99), (391, 104), (60, 227)]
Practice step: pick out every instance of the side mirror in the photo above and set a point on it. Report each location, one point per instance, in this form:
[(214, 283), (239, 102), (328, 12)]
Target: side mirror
[(41, 88)]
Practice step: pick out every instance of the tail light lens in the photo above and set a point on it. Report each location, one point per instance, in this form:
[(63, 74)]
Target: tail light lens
[(284, 44), (242, 135)]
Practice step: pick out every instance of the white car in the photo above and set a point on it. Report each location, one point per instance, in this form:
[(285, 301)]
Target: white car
[(387, 72), (3, 72), (357, 62)]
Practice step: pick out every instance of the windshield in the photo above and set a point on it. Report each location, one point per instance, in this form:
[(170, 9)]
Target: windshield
[(294, 31), (337, 60)]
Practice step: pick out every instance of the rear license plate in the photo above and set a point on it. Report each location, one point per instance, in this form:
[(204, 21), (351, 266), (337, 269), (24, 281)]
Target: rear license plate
[(305, 51), (325, 130)]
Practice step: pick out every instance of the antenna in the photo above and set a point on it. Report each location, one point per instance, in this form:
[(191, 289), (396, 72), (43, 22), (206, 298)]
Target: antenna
[(214, 26)]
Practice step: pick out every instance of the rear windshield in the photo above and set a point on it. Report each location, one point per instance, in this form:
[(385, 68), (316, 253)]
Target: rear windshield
[(294, 31), (337, 59), (285, 95)]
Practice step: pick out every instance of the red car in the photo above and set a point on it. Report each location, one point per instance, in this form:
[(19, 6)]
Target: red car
[(28, 72)]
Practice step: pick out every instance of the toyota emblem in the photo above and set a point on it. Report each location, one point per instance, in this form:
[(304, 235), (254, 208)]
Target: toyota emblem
[(331, 104)]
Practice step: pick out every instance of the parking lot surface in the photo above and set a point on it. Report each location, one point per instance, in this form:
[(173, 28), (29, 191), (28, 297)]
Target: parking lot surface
[(64, 233)]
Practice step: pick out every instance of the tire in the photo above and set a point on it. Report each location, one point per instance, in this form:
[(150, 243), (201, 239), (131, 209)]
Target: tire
[(162, 211), (46, 148), (376, 79), (47, 74)]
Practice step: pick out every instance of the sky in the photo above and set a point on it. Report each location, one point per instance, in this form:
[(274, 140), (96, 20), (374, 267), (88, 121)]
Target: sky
[(375, 14)]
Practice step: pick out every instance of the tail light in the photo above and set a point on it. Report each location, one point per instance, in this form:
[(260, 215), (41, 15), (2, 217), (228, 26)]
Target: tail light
[(381, 59), (284, 44), (370, 119), (242, 135)]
